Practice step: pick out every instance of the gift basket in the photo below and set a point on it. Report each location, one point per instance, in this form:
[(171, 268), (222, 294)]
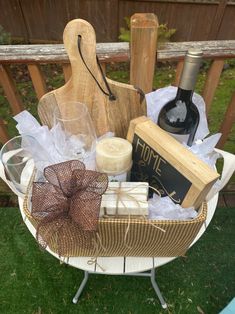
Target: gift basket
[(80, 199)]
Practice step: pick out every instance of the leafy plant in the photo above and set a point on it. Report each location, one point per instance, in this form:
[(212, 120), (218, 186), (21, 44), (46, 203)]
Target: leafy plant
[(164, 33), (125, 34), (5, 38)]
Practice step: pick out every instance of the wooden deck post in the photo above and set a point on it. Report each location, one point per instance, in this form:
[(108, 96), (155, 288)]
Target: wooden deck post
[(10, 90), (179, 69), (4, 137), (143, 48), (37, 79), (227, 123), (212, 82)]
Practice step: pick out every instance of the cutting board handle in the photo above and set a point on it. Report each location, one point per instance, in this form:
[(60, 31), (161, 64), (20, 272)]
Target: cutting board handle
[(80, 28)]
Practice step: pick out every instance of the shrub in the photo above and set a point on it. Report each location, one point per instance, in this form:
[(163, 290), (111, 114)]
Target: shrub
[(5, 38), (164, 33)]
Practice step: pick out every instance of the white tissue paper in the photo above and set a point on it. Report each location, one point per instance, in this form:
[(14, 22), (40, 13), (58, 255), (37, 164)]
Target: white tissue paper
[(163, 208), (28, 125), (46, 153), (65, 143), (157, 99), (204, 149)]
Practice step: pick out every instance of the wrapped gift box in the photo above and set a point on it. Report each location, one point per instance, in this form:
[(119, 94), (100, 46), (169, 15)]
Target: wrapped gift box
[(124, 199)]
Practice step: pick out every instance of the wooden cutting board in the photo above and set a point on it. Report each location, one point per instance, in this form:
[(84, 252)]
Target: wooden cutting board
[(107, 115)]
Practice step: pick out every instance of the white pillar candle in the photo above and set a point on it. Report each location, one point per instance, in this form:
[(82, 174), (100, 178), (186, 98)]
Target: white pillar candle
[(113, 155)]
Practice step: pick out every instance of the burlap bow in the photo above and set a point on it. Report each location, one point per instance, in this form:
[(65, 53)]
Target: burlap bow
[(67, 207)]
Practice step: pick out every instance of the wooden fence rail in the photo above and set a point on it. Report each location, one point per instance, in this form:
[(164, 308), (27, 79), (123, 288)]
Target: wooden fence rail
[(34, 55), (114, 52)]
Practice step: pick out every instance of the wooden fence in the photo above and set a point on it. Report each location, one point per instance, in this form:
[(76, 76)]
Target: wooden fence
[(38, 21)]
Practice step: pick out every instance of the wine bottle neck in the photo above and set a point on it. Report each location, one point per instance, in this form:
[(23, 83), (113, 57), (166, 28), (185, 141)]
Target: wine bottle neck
[(184, 95), (189, 73)]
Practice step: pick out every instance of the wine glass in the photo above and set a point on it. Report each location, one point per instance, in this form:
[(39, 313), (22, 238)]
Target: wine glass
[(17, 159), (74, 132)]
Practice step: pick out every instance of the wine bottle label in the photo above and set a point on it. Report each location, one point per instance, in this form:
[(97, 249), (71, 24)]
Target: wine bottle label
[(178, 114)]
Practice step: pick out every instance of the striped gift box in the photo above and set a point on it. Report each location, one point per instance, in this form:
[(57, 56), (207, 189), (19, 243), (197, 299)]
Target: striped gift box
[(125, 198)]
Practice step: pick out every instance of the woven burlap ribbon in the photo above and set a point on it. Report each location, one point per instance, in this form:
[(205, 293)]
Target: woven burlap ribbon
[(67, 206)]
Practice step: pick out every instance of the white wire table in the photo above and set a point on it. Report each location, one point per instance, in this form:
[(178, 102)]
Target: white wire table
[(131, 266)]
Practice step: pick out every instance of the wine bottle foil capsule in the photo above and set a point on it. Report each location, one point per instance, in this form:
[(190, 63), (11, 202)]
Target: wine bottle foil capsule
[(191, 67)]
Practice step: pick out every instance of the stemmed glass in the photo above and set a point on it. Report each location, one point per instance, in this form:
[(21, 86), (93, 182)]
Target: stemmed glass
[(74, 132)]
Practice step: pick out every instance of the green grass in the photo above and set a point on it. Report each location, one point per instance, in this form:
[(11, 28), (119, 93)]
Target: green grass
[(32, 281)]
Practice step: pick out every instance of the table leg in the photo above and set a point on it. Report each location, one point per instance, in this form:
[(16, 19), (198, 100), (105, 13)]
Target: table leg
[(150, 274), (82, 285), (157, 290)]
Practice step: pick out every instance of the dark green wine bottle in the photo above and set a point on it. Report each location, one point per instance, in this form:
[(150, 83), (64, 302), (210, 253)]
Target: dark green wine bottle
[(180, 116)]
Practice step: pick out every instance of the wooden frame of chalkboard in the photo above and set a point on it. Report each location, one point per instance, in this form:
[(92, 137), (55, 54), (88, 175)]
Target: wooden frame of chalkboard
[(167, 165)]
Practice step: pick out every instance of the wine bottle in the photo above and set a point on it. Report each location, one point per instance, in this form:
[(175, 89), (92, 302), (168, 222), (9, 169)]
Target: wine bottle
[(180, 116)]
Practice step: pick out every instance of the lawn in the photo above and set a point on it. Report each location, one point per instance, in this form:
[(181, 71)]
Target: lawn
[(34, 282)]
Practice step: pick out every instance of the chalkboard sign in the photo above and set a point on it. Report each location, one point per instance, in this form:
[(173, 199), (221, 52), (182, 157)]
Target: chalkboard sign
[(149, 166), (167, 165)]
